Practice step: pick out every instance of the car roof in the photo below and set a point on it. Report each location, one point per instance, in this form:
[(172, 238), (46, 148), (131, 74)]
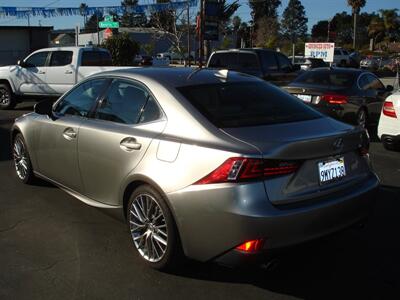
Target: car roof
[(245, 50), (180, 76), (339, 70)]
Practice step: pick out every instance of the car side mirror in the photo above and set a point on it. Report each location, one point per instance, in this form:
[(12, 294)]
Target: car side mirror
[(21, 63), (389, 88), (45, 108)]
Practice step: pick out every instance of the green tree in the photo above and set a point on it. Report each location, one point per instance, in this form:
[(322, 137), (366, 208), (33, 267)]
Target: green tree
[(267, 8), (391, 21), (267, 32), (294, 21), (122, 48), (319, 31), (91, 25), (356, 6), (376, 29), (129, 18), (163, 19), (226, 13)]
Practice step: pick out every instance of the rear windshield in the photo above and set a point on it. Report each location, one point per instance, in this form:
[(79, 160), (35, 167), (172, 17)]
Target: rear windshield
[(327, 78), (242, 104)]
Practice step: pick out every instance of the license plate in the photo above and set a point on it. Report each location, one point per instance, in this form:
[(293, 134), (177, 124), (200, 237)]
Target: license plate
[(305, 98), (331, 170)]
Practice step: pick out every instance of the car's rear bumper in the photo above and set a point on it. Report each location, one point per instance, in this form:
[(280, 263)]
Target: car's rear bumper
[(213, 220)]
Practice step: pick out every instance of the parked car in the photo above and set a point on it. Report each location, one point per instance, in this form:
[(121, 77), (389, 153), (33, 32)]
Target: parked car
[(50, 72), (307, 63), (389, 123), (249, 172), (354, 59), (351, 95), (341, 57), (371, 63), (146, 60), (269, 65)]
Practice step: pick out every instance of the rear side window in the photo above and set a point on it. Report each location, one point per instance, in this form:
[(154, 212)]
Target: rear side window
[(223, 60), (327, 78), (123, 104), (242, 104), (370, 82), (96, 58), (269, 62), (61, 58)]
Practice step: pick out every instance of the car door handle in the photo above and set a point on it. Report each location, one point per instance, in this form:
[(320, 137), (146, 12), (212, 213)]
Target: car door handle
[(69, 134), (130, 144), (68, 72), (41, 72)]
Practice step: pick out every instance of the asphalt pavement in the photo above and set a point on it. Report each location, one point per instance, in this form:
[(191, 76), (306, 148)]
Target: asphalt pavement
[(52, 246)]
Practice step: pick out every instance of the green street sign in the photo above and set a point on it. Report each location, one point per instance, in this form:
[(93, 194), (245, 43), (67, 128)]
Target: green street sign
[(105, 24), (108, 18)]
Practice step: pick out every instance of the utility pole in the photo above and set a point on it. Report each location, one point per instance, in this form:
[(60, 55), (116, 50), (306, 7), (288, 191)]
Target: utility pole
[(201, 35), (98, 33), (29, 20), (188, 32)]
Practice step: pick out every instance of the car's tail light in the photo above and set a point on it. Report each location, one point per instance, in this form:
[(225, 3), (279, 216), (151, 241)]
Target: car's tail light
[(251, 246), (334, 98), (237, 169), (388, 109)]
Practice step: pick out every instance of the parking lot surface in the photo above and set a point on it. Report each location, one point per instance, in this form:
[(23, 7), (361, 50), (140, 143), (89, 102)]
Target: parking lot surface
[(54, 247)]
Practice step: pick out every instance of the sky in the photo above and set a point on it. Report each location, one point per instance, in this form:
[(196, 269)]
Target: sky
[(315, 9)]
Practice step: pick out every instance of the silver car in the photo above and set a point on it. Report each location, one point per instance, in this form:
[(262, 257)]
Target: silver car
[(211, 165)]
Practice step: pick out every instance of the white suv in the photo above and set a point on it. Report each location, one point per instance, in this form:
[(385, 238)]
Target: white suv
[(389, 123), (341, 57)]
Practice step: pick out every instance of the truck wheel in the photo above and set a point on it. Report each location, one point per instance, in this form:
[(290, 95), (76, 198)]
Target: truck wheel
[(7, 100)]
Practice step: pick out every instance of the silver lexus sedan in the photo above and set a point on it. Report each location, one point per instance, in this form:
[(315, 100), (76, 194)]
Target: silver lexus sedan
[(211, 165)]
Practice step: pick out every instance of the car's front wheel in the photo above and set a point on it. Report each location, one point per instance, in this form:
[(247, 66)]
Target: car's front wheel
[(22, 161), (153, 229), (7, 100)]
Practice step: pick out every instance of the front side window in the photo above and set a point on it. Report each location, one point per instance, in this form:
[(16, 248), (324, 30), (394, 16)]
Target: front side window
[(37, 60), (61, 58), (269, 61), (284, 63), (124, 103), (81, 100)]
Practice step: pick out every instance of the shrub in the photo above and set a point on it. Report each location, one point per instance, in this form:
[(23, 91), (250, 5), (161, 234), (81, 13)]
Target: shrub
[(122, 48)]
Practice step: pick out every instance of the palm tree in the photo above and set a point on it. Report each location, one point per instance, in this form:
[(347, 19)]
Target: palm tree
[(391, 21), (356, 6), (83, 11), (226, 13), (376, 29)]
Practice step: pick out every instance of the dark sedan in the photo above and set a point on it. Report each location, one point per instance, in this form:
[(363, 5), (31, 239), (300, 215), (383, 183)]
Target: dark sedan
[(350, 95)]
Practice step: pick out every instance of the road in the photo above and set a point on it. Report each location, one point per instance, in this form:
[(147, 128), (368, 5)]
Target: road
[(52, 246)]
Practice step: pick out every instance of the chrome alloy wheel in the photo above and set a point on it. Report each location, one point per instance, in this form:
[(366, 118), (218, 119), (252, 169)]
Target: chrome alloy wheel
[(21, 160), (148, 227), (4, 97), (362, 118)]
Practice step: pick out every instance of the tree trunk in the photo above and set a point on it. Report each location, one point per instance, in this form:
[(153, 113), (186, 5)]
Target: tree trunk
[(355, 30)]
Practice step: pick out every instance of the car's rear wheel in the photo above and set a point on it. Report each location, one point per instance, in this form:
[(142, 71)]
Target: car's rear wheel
[(362, 118), (22, 161), (153, 229), (7, 100)]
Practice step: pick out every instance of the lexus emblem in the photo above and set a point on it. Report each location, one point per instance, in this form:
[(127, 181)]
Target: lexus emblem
[(338, 144)]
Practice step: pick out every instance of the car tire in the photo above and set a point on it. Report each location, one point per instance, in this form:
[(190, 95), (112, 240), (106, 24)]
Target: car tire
[(22, 161), (153, 230), (7, 99), (362, 118)]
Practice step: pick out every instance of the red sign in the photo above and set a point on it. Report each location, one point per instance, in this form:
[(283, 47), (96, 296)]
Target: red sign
[(107, 33)]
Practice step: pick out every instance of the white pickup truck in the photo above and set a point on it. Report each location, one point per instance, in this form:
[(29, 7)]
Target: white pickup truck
[(50, 72)]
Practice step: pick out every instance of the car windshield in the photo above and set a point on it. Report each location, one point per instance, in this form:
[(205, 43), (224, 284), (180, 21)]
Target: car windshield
[(327, 78), (243, 104)]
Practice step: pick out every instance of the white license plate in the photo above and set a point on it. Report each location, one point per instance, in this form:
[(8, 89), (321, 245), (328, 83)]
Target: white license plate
[(331, 170), (305, 98)]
